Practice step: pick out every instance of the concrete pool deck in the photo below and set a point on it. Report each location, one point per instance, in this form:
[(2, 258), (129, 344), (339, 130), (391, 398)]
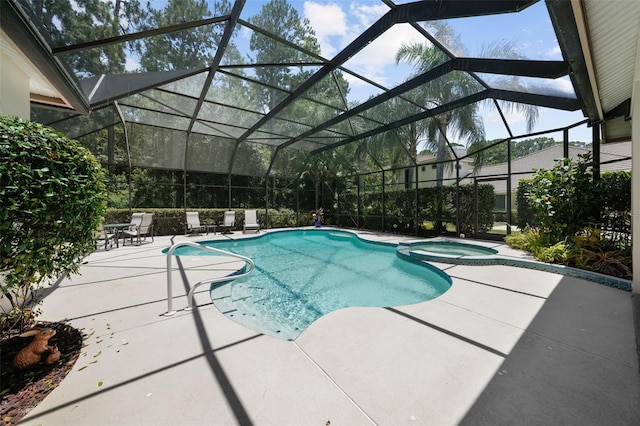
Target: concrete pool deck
[(504, 345)]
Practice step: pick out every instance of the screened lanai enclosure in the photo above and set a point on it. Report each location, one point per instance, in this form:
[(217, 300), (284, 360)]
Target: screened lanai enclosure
[(391, 115)]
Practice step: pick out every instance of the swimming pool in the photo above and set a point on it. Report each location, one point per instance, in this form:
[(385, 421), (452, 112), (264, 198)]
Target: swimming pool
[(301, 275)]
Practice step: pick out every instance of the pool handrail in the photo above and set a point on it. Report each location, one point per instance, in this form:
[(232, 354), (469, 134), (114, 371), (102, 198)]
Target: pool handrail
[(170, 310)]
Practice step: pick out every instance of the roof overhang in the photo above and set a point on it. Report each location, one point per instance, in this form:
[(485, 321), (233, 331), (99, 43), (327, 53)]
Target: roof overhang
[(600, 40), (49, 83), (564, 23)]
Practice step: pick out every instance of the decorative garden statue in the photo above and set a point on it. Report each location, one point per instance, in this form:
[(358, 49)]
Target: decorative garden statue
[(39, 346)]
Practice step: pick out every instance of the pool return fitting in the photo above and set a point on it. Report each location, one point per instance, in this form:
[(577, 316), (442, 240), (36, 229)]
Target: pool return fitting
[(170, 310)]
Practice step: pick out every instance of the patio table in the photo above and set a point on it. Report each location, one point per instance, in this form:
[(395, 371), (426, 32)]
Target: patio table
[(117, 229), (209, 226)]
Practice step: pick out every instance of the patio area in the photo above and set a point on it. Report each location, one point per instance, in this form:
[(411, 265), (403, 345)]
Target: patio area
[(503, 345)]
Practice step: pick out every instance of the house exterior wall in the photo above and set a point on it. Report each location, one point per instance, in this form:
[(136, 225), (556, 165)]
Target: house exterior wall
[(635, 187), (405, 178), (523, 168)]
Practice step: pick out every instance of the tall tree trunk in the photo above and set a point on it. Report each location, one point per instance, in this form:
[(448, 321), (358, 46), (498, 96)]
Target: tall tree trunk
[(111, 145), (441, 155), (413, 151), (362, 163)]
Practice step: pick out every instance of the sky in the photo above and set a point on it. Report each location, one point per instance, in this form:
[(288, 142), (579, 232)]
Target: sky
[(338, 22)]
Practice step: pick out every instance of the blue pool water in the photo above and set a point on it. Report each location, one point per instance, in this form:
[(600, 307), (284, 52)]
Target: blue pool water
[(300, 276)]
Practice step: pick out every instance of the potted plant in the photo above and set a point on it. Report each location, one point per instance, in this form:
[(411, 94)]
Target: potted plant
[(52, 198)]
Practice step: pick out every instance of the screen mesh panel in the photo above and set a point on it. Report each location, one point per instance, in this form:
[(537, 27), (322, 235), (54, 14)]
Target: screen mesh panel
[(209, 153), (156, 147), (220, 87)]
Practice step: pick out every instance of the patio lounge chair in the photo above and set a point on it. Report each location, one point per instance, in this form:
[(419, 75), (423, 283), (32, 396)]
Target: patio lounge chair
[(193, 224), (106, 236), (250, 221), (229, 222), (136, 220), (144, 228)]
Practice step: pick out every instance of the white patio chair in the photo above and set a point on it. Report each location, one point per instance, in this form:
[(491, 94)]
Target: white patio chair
[(193, 224), (228, 222), (139, 229), (250, 221)]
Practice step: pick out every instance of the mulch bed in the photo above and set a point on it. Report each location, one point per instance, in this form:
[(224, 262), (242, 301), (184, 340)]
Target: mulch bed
[(21, 391)]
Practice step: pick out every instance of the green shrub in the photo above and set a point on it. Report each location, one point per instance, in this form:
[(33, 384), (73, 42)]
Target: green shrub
[(526, 239), (172, 221), (438, 206), (611, 198), (577, 221), (588, 250), (52, 199), (564, 200), (557, 253), (525, 214), (465, 208), (284, 218), (612, 262), (614, 190)]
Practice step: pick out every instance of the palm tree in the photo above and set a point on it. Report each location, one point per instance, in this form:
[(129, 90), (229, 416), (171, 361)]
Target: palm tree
[(463, 123)]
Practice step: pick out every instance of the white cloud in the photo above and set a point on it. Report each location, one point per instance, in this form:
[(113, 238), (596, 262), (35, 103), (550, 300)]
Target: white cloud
[(329, 23), (131, 64), (555, 52), (367, 15), (564, 85), (326, 19), (490, 115), (374, 60), (338, 23)]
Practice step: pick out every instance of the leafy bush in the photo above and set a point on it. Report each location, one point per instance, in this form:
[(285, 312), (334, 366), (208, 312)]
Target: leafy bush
[(593, 251), (615, 190), (284, 218), (438, 207), (588, 250), (563, 200), (525, 240), (52, 199), (525, 214), (557, 253), (172, 221), (575, 220), (466, 209), (614, 262)]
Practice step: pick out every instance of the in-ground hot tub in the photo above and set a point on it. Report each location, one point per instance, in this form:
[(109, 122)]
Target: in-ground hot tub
[(452, 248)]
